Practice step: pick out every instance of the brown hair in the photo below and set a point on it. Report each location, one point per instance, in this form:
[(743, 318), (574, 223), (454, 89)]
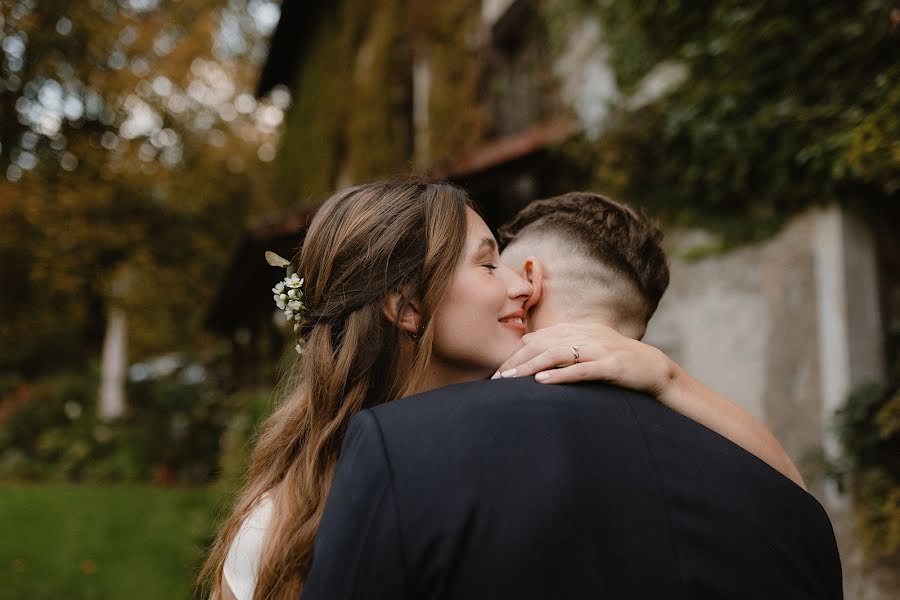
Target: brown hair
[(400, 236), (612, 233)]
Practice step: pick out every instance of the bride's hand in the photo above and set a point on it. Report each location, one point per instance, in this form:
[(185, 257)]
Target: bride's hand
[(603, 355)]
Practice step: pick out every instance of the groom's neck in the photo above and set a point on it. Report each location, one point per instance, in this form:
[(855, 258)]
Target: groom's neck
[(541, 316)]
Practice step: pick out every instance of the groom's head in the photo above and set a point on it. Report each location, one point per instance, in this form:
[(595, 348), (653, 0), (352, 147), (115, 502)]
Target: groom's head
[(589, 258)]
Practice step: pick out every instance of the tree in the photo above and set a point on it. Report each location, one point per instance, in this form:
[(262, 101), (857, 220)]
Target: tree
[(130, 140)]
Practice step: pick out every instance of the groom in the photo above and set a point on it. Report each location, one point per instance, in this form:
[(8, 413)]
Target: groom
[(516, 489)]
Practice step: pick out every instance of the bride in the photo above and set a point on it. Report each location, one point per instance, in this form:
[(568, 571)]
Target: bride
[(375, 257)]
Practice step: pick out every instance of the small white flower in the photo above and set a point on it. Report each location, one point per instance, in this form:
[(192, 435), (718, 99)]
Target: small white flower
[(288, 296)]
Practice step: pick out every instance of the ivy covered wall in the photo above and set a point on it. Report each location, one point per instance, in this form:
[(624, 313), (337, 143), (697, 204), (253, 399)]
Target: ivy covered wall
[(343, 101), (352, 115), (788, 103), (449, 34)]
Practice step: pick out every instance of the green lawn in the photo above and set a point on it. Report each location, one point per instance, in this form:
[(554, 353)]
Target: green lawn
[(94, 541)]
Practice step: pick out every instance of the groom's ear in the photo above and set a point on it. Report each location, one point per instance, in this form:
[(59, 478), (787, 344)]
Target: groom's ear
[(402, 312), (533, 271)]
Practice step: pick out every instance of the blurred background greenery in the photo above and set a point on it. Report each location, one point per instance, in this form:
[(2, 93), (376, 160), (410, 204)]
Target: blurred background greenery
[(102, 541), (132, 154), (151, 149)]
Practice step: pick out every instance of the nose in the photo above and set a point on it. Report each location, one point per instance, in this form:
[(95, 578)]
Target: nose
[(517, 287)]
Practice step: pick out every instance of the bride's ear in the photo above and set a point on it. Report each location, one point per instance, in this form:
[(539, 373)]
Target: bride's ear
[(533, 271), (402, 312)]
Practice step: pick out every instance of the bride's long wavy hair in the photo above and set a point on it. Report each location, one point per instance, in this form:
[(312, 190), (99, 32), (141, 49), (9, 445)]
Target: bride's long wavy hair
[(365, 243)]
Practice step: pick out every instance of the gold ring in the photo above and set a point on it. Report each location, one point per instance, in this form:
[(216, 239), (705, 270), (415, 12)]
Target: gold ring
[(575, 352)]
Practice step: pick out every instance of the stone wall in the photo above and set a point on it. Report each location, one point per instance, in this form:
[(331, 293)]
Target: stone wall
[(745, 324)]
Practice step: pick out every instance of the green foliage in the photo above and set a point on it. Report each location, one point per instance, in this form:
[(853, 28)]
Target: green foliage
[(456, 117), (869, 427), (130, 148), (349, 88), (102, 541), (352, 118), (788, 104), (45, 432), (633, 55), (174, 428), (171, 433), (246, 410)]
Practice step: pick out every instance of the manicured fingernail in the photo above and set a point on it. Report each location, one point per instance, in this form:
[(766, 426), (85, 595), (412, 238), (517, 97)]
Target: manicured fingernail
[(496, 375), (510, 373), (542, 376)]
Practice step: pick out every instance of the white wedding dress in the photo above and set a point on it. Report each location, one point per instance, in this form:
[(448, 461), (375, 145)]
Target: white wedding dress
[(245, 553)]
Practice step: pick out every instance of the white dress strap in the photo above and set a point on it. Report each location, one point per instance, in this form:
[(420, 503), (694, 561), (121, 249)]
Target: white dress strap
[(245, 553)]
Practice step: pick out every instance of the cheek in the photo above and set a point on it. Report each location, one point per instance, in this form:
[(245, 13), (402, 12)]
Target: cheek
[(467, 329), (474, 301)]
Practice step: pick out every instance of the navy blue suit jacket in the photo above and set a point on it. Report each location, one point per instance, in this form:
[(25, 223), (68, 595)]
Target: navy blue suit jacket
[(514, 489)]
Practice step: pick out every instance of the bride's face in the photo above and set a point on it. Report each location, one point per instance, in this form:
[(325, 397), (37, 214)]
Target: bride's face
[(480, 321)]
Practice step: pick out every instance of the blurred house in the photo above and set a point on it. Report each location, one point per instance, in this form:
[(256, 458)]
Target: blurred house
[(787, 327)]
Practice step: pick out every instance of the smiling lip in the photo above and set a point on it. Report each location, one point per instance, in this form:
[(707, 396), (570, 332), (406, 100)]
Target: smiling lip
[(514, 321)]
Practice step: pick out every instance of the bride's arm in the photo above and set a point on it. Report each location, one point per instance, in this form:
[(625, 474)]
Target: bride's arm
[(606, 355)]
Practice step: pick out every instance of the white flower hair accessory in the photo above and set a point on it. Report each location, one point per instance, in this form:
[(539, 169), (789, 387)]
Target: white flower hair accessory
[(288, 294)]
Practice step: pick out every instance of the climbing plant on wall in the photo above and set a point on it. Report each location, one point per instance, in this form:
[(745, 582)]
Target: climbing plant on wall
[(788, 103), (869, 427), (352, 114)]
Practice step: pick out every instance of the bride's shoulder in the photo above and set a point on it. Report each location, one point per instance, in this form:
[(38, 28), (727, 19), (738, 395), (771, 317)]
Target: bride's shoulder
[(242, 562)]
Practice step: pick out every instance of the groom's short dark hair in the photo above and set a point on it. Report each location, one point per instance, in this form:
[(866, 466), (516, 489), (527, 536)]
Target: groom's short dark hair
[(612, 233)]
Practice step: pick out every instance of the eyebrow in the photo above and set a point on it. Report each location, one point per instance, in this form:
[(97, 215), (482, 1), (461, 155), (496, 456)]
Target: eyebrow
[(487, 242)]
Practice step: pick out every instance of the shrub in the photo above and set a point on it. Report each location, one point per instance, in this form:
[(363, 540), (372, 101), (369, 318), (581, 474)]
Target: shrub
[(869, 427), (170, 434), (48, 428), (247, 410)]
